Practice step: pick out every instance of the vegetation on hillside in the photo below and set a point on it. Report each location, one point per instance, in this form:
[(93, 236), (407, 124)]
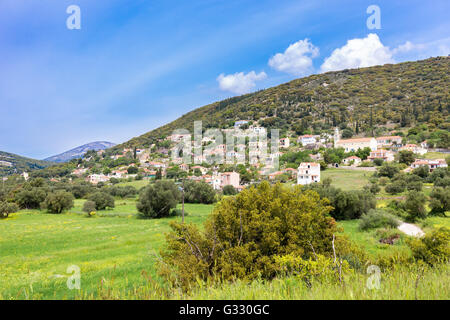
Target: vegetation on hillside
[(361, 100), (13, 163)]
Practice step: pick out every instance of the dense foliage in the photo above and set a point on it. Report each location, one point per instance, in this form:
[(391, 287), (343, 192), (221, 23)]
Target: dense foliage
[(102, 200), (157, 200), (199, 192), (359, 100), (246, 232), (58, 201)]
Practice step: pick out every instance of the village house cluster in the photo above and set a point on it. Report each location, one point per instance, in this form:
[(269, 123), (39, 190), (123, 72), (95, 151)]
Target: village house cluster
[(252, 153)]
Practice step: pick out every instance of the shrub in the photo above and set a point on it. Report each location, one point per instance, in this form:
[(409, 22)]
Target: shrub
[(199, 192), (415, 205), (406, 157), (122, 192), (6, 208), (346, 204), (229, 190), (132, 170), (102, 200), (373, 188), (58, 202), (81, 190), (442, 182), (395, 187), (30, 198), (422, 171), (377, 219), (388, 170), (89, 206), (383, 181), (320, 268), (158, 199), (433, 248), (438, 173), (440, 201), (378, 162), (246, 232)]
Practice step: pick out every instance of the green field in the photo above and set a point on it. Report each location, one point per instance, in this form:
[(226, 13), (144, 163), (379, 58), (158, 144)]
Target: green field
[(347, 179), (115, 252), (434, 155), (37, 248)]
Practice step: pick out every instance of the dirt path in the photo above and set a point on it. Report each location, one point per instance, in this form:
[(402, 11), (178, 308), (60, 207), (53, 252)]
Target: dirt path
[(411, 229)]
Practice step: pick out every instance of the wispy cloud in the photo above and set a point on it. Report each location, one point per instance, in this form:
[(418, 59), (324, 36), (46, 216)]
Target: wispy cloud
[(240, 82)]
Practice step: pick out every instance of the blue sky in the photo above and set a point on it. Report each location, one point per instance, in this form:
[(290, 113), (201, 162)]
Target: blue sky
[(136, 65)]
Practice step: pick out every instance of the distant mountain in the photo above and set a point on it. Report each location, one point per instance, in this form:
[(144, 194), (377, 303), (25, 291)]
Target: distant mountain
[(12, 163), (78, 152)]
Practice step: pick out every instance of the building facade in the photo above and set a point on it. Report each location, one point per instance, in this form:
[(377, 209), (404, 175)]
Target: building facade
[(308, 172)]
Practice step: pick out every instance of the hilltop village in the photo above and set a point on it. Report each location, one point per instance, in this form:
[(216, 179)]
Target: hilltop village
[(299, 159)]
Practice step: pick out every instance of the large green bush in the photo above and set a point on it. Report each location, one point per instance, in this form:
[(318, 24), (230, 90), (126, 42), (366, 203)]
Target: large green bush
[(440, 201), (229, 190), (377, 218), (433, 248), (199, 192), (346, 204), (158, 199), (415, 205), (58, 201), (30, 197), (6, 208), (245, 233), (102, 200)]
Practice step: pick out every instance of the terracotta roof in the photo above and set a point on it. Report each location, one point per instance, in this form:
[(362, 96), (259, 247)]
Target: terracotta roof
[(389, 137), (354, 140)]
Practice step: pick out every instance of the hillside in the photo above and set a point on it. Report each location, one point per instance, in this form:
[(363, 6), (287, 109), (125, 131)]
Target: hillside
[(402, 95), (78, 152), (11, 163)]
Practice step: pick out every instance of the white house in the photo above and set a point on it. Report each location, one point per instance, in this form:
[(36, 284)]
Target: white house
[(387, 141), (240, 123), (357, 143), (352, 160), (385, 155), (284, 143), (308, 172), (96, 178), (432, 164), (414, 148), (306, 139)]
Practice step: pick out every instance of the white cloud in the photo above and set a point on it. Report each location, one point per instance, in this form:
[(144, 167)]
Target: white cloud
[(414, 51), (240, 83), (406, 47), (296, 59), (359, 53)]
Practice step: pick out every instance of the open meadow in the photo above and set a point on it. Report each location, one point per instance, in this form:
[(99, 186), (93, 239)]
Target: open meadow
[(37, 248), (116, 254), (347, 179)]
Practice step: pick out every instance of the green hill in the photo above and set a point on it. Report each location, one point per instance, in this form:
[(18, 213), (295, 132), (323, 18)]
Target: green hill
[(394, 95), (12, 163)]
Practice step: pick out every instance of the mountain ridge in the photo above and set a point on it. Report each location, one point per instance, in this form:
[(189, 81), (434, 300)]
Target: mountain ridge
[(79, 151), (12, 163)]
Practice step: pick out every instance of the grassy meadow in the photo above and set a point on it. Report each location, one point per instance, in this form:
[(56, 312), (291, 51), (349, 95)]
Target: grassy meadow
[(37, 248), (116, 254), (347, 179)]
